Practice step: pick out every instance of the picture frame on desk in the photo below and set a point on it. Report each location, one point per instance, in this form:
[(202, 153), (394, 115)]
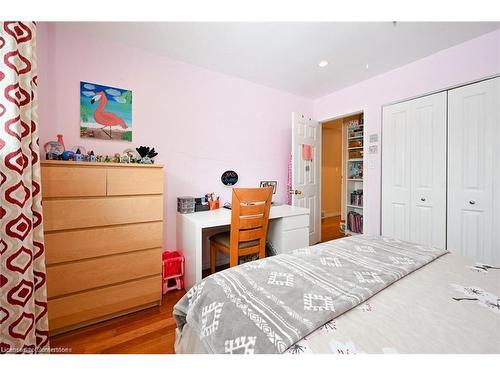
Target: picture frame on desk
[(273, 184)]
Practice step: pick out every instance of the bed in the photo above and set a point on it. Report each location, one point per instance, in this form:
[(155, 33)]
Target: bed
[(361, 294)]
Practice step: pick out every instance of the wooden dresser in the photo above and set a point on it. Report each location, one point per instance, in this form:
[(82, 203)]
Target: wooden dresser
[(103, 226)]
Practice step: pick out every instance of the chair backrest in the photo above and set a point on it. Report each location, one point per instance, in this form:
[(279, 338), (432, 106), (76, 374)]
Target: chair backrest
[(249, 221)]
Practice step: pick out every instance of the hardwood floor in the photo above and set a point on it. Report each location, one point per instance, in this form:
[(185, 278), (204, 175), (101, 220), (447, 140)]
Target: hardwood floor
[(330, 228), (148, 331)]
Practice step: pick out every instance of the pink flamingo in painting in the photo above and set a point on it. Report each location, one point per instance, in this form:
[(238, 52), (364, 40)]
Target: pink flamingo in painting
[(106, 118)]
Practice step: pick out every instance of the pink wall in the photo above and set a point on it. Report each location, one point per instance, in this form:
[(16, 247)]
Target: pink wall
[(201, 122), (466, 62)]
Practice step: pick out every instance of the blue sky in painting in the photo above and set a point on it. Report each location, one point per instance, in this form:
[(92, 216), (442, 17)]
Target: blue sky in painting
[(116, 103)]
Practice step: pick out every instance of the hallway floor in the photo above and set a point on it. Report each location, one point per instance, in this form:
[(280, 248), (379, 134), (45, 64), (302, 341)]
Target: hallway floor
[(330, 228)]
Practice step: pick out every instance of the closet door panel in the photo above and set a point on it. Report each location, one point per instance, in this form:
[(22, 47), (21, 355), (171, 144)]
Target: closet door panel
[(428, 170), (395, 172), (473, 168)]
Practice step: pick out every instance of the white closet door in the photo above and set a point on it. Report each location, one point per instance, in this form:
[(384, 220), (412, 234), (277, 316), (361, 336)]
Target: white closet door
[(473, 171), (428, 170), (414, 170), (396, 189)]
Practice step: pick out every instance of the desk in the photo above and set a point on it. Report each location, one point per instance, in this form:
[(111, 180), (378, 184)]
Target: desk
[(288, 230)]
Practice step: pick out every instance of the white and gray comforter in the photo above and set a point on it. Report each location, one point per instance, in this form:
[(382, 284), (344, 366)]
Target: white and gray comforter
[(267, 306), (450, 306)]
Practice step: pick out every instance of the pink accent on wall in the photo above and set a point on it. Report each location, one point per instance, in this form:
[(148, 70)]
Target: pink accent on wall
[(469, 61), (201, 122)]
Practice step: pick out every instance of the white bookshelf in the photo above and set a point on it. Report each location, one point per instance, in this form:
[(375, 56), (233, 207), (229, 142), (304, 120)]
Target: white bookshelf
[(353, 155)]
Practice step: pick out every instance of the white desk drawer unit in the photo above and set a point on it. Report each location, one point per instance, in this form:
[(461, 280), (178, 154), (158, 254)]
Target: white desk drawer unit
[(289, 233), (295, 222)]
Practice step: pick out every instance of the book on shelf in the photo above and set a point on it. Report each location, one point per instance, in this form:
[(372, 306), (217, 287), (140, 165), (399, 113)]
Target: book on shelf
[(357, 198), (355, 222), (355, 128)]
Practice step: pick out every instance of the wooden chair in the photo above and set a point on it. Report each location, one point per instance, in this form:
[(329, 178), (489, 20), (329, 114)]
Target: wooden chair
[(249, 221)]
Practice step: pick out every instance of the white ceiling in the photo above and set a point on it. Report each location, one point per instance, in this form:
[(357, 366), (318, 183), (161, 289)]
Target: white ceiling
[(285, 55)]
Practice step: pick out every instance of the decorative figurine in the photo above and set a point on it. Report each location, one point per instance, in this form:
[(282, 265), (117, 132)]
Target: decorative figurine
[(146, 160), (68, 155), (78, 155), (60, 140), (125, 159), (52, 156), (132, 154), (146, 152), (79, 150), (54, 149)]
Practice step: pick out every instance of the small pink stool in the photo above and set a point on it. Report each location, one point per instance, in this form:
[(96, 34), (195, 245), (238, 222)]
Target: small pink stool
[(173, 269)]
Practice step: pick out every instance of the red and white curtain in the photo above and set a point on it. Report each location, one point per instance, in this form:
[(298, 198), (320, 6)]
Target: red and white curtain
[(23, 297)]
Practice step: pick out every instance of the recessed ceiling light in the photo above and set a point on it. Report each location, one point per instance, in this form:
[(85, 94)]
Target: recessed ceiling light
[(323, 63), (367, 66)]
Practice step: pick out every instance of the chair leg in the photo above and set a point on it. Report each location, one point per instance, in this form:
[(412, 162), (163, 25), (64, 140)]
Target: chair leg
[(262, 252), (213, 257), (233, 258)]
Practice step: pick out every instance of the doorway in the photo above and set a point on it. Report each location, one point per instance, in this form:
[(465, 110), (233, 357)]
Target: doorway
[(342, 176), (331, 179)]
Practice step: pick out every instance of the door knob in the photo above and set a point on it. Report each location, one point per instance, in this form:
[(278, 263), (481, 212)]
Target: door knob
[(422, 199), (472, 202), (295, 192)]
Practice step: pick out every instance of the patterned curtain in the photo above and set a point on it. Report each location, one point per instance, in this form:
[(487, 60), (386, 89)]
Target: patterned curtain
[(23, 298)]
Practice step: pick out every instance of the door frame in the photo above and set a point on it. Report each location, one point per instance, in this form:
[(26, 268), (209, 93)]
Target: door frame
[(337, 116)]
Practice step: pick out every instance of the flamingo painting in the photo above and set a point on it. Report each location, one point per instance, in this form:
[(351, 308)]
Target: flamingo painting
[(103, 108), (106, 118)]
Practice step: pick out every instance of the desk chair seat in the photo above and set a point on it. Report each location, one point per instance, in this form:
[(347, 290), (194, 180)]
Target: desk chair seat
[(223, 239), (249, 222)]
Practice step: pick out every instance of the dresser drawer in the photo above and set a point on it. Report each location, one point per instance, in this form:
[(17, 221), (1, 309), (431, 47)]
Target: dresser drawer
[(134, 181), (294, 222), (80, 244), (100, 303), (74, 181), (93, 273), (96, 212)]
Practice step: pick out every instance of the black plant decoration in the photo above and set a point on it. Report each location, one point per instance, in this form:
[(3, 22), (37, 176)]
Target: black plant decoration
[(146, 151)]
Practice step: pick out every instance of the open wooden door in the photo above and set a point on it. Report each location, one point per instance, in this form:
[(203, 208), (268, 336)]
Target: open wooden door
[(306, 168)]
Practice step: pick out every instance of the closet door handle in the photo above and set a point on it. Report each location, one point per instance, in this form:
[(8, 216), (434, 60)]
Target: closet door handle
[(422, 199), (472, 202)]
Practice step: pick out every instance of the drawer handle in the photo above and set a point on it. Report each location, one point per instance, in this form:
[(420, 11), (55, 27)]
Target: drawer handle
[(472, 202), (422, 199)]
